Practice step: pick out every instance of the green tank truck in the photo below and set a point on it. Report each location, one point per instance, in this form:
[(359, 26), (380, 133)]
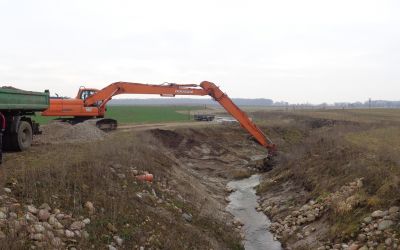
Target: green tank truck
[(16, 110)]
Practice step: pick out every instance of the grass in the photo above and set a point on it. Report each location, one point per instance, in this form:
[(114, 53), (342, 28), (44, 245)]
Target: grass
[(149, 114), (141, 114)]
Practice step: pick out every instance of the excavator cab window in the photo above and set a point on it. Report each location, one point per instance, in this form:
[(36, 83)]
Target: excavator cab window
[(86, 93)]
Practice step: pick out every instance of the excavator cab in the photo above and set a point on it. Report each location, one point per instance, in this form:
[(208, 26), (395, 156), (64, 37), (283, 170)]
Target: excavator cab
[(84, 93)]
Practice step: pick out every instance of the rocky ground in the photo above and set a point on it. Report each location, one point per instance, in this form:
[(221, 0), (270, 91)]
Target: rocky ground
[(376, 231)]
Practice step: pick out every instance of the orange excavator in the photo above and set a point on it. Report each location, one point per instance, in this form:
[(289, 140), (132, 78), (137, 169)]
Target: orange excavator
[(91, 103)]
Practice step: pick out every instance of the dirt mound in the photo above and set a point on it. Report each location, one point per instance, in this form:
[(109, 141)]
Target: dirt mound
[(61, 132), (168, 138)]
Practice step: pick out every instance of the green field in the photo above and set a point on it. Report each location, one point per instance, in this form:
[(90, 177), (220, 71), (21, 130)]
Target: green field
[(142, 114)]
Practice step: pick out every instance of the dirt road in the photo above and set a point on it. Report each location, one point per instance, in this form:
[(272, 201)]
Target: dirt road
[(172, 125)]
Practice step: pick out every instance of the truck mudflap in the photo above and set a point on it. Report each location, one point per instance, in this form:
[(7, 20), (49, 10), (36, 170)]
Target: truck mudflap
[(36, 128)]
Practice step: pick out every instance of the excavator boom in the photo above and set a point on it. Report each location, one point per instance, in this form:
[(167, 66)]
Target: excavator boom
[(92, 103), (238, 114)]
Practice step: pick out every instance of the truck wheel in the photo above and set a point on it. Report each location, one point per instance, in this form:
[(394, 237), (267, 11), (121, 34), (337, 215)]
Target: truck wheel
[(24, 136)]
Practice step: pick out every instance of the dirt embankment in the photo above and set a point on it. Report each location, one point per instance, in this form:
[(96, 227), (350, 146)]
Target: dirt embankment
[(87, 195), (336, 183)]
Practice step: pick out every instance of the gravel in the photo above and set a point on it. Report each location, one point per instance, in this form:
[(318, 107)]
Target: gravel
[(61, 132)]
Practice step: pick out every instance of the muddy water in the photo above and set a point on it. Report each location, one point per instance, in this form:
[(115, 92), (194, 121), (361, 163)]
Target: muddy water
[(243, 202)]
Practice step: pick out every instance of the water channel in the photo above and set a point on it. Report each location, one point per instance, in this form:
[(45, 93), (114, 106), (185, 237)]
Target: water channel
[(243, 203)]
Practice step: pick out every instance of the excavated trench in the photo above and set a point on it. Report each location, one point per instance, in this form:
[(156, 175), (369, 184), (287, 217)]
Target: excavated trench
[(221, 159)]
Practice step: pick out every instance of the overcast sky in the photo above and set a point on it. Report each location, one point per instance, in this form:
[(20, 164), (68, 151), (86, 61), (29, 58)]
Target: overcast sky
[(298, 51)]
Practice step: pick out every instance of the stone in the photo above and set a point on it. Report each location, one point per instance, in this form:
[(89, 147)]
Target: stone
[(45, 206), (3, 216), (394, 210), (56, 242), (60, 232), (32, 209), (305, 207), (69, 234), (39, 228), (367, 219), (187, 217), (112, 228), (378, 214), (388, 242), (77, 225), (310, 218), (299, 236), (60, 216), (385, 224), (362, 237), (43, 215), (38, 237), (7, 190), (86, 221), (121, 176), (52, 220), (118, 240), (111, 247), (78, 233), (90, 207), (15, 206), (353, 247), (58, 225), (50, 234)]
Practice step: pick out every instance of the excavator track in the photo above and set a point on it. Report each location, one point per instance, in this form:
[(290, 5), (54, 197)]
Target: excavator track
[(105, 124)]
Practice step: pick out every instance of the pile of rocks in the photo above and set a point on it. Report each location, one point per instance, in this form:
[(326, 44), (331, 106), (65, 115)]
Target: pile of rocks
[(292, 224), (62, 132), (43, 227), (297, 223), (376, 232)]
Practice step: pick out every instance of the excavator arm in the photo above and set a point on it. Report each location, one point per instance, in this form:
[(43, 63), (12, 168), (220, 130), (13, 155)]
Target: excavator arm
[(101, 98), (239, 115)]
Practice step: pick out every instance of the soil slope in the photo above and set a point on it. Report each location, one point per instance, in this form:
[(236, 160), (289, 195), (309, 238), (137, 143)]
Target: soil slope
[(85, 194)]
